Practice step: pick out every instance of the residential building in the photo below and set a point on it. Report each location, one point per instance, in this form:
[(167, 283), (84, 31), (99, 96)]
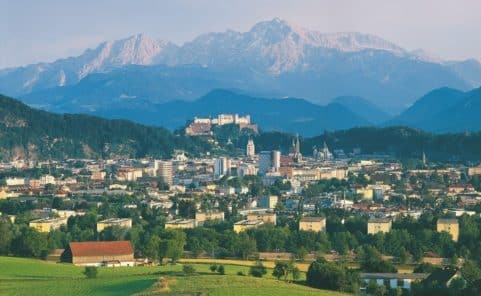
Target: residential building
[(164, 171), (201, 217), (376, 225), (450, 226), (316, 224), (180, 224), (246, 224), (268, 201), (47, 224), (221, 167), (265, 162), (120, 222), (265, 217)]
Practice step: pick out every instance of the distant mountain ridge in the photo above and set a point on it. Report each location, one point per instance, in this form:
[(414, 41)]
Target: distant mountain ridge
[(286, 115), (274, 58), (444, 110)]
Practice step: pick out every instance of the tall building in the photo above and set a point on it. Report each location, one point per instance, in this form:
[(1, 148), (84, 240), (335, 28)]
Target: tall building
[(250, 149), (269, 161), (164, 171), (276, 160), (265, 162), (221, 167)]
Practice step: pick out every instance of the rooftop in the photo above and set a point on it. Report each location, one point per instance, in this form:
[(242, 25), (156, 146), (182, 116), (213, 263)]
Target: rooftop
[(101, 248)]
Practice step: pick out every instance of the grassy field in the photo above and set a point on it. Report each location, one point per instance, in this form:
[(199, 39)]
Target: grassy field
[(20, 276)]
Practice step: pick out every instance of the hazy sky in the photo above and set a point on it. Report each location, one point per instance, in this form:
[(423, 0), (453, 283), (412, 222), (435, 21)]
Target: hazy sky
[(34, 31)]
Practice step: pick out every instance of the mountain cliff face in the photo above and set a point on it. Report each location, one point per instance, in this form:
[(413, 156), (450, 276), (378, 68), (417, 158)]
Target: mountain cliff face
[(274, 58), (137, 50)]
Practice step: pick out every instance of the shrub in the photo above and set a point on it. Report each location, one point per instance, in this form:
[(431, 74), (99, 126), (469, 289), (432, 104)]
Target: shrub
[(213, 267), (241, 273), (258, 270), (90, 272), (188, 269), (221, 269)]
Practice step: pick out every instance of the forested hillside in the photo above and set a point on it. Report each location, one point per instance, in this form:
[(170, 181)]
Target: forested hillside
[(33, 134)]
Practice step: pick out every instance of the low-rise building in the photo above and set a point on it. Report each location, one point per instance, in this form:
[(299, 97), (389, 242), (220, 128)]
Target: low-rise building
[(114, 253), (246, 224), (265, 217), (393, 280), (450, 226), (316, 224), (268, 201), (47, 224), (376, 225), (201, 217), (180, 224), (121, 222)]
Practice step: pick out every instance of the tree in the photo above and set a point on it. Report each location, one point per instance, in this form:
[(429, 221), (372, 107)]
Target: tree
[(325, 275), (221, 269), (6, 235), (175, 245), (258, 270), (152, 248), (30, 243), (90, 272), (281, 269), (163, 249), (246, 246), (373, 262)]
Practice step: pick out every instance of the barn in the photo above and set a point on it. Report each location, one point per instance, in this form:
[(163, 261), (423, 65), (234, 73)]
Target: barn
[(111, 253)]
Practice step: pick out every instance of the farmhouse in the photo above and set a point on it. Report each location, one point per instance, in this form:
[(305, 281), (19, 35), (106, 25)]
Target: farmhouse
[(114, 253)]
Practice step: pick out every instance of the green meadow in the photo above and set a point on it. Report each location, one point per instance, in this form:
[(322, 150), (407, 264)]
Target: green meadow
[(19, 276)]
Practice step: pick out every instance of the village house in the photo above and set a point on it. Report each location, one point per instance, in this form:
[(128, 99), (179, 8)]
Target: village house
[(111, 253)]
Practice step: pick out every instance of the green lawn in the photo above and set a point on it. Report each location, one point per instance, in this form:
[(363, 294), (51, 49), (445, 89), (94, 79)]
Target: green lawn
[(20, 276)]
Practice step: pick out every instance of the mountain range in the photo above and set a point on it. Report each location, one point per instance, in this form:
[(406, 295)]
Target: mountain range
[(273, 59), (287, 115), (31, 134)]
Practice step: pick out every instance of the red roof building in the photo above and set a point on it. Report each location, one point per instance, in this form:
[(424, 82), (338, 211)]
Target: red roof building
[(112, 253)]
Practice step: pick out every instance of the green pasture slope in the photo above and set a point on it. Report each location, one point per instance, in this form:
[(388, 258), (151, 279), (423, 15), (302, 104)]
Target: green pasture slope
[(19, 276)]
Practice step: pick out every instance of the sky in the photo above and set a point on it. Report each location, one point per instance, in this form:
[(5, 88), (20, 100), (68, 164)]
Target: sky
[(43, 31)]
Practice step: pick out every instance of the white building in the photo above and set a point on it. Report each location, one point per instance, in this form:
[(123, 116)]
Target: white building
[(221, 167), (164, 171), (250, 149)]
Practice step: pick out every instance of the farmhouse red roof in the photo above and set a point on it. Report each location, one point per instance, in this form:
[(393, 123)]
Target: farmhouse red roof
[(101, 248)]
